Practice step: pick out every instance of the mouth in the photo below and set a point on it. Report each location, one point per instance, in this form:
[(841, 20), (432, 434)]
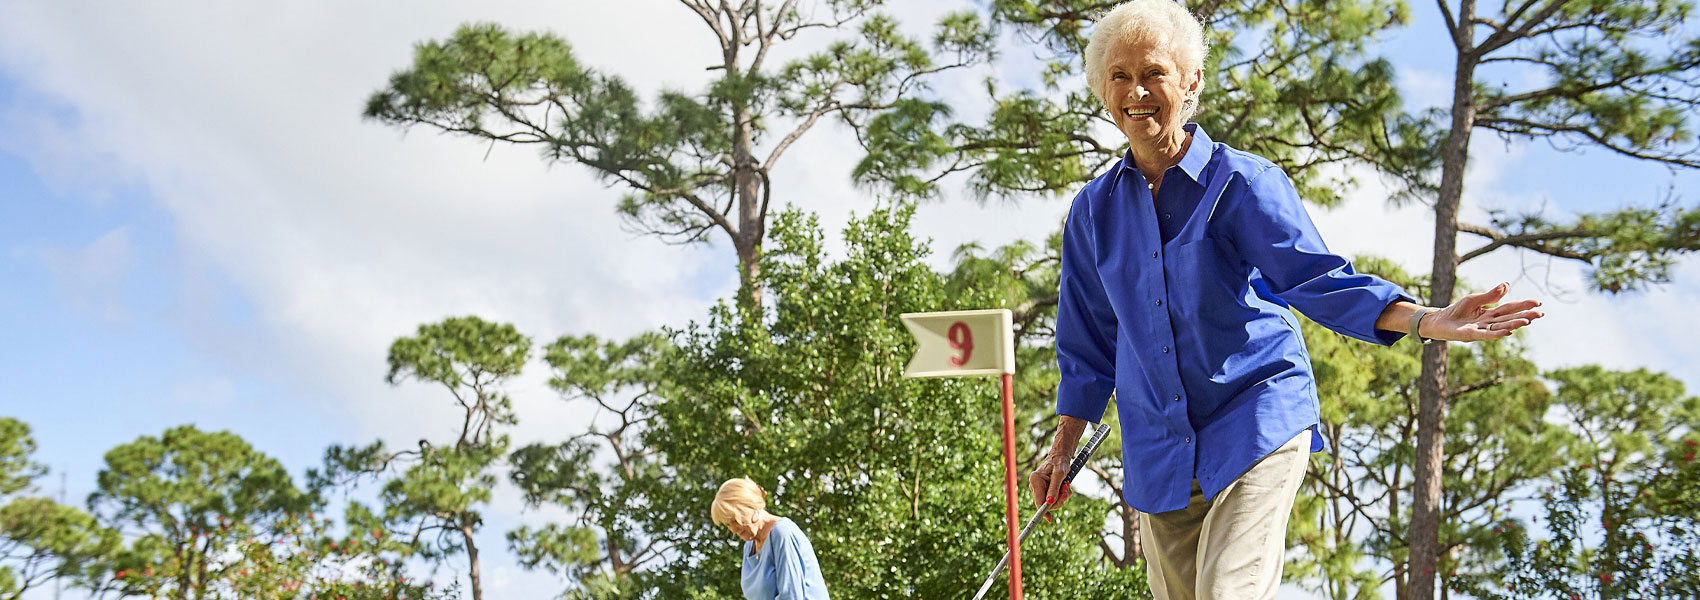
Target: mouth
[(1139, 112)]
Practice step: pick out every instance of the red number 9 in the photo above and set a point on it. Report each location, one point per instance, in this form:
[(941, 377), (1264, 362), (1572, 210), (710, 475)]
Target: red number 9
[(961, 340)]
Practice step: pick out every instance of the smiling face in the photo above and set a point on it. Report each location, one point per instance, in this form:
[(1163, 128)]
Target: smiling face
[(1145, 91)]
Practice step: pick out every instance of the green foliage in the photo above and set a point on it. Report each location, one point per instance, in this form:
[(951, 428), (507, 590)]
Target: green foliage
[(1510, 430), (1290, 81), (691, 163), (1629, 249), (599, 474), (203, 515), (1355, 506), (1647, 543), (431, 505), (304, 558), (17, 470), (40, 540), (529, 88), (1616, 75), (1619, 76), (877, 469), (185, 500), (808, 400)]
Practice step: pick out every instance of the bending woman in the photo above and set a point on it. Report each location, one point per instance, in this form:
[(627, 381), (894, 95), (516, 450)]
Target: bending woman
[(779, 562)]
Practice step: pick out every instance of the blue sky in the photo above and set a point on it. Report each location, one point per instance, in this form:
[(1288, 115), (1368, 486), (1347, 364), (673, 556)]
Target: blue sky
[(196, 227), (97, 341)]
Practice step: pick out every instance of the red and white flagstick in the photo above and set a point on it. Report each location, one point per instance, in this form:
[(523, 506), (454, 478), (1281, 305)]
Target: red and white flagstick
[(945, 348), (1009, 486)]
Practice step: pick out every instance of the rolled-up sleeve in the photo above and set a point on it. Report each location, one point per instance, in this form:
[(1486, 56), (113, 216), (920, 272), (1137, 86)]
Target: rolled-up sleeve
[(1086, 324), (1271, 230)]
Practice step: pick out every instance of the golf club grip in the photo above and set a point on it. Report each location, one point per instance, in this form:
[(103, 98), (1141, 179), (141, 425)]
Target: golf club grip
[(1086, 453)]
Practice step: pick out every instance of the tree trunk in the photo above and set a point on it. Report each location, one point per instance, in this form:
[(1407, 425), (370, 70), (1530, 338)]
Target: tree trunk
[(1131, 549), (749, 267), (185, 573), (201, 568), (749, 187), (1431, 386), (472, 557), (748, 184), (616, 562)]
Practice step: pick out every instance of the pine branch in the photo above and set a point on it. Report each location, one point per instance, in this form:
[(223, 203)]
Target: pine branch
[(1529, 241)]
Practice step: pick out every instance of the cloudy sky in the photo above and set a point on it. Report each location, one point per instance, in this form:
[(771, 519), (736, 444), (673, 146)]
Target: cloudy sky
[(197, 227)]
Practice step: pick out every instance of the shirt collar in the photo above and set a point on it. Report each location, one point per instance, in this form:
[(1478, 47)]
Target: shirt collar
[(1197, 154)]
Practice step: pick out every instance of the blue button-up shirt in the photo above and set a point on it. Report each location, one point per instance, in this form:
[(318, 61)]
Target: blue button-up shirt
[(1179, 304)]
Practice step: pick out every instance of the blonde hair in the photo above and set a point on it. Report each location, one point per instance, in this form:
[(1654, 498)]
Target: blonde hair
[(739, 501), (1147, 20)]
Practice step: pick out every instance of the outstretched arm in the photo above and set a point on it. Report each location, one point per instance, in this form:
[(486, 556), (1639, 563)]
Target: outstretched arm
[(1467, 320)]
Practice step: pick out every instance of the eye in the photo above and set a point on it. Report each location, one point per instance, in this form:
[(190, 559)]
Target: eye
[(1154, 73), (1119, 75)]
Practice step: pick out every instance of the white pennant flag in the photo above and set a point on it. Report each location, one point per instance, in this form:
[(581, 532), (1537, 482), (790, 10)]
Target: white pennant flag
[(961, 343)]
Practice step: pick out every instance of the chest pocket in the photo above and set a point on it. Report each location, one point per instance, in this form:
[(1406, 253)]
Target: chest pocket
[(1201, 275)]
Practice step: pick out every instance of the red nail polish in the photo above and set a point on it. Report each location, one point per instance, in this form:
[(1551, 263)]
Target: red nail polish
[(1050, 499)]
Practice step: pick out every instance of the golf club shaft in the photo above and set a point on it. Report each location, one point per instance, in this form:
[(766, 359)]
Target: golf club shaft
[(1003, 562), (1073, 469)]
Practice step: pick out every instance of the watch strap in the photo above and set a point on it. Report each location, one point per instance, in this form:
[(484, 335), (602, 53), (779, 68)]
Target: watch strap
[(1417, 319)]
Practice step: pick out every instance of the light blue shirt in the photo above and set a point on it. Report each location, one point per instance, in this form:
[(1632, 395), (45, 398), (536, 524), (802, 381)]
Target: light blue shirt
[(1180, 304), (785, 568)]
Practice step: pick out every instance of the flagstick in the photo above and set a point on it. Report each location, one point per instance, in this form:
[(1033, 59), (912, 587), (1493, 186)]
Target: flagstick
[(945, 348), (1009, 486)]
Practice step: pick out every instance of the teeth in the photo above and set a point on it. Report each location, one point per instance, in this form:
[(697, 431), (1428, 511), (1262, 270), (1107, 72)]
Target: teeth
[(1141, 112)]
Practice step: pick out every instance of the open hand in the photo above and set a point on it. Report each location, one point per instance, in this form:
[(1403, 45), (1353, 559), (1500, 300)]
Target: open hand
[(1470, 320)]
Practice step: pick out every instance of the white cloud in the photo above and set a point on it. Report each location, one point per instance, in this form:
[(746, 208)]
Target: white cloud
[(90, 279), (1423, 89), (343, 234), (39, 132)]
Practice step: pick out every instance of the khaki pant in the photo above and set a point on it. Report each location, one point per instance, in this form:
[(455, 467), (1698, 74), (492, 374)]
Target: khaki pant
[(1231, 548)]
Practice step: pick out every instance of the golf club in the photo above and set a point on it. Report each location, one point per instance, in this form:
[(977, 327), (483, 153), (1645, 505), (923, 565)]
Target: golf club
[(1073, 469)]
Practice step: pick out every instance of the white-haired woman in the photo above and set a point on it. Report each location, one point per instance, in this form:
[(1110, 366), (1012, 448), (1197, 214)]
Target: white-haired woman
[(779, 562), (1179, 265)]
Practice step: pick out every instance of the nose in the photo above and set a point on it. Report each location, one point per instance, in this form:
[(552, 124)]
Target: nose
[(1140, 89)]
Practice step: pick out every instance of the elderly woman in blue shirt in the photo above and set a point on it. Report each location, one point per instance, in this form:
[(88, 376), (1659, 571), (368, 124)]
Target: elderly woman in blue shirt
[(779, 562), (1180, 265)]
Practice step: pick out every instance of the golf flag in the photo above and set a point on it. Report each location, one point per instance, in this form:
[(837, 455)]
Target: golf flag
[(975, 342), (961, 343)]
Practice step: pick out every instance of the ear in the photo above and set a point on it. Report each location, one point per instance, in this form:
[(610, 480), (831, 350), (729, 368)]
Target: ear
[(1197, 80)]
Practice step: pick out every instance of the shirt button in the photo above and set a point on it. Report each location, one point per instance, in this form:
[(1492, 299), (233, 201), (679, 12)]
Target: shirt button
[(1153, 255), (1189, 439), (1177, 397), (1159, 303), (1165, 349), (1166, 216)]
